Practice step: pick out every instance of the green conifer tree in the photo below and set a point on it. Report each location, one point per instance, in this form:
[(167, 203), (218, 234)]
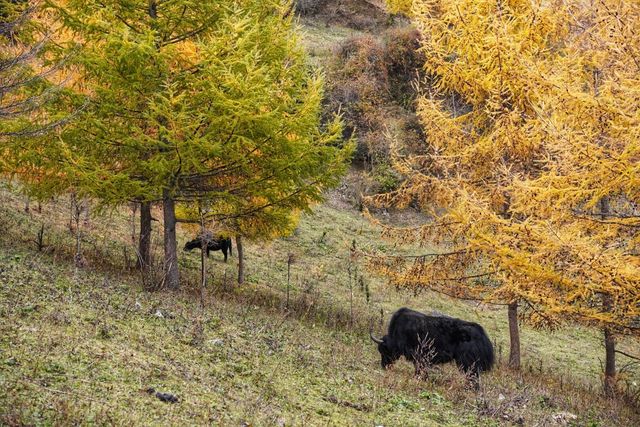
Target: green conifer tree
[(194, 102)]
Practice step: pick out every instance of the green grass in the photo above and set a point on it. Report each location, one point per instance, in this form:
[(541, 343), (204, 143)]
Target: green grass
[(81, 346)]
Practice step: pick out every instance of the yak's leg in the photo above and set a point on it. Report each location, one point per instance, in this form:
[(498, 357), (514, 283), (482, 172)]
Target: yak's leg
[(224, 251)]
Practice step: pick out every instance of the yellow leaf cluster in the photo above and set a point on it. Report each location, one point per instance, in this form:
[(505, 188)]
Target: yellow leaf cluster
[(532, 174)]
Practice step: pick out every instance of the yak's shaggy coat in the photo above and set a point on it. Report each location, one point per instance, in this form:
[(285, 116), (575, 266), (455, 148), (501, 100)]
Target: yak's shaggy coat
[(428, 340)]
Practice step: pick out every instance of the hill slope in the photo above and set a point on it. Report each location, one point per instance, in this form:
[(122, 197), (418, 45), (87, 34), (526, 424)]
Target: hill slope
[(79, 348), (83, 345)]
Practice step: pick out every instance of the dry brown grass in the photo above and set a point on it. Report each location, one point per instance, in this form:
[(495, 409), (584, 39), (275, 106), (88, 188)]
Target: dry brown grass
[(371, 83), (369, 15)]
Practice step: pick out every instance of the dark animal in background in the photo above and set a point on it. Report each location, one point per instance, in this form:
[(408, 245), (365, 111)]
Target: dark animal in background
[(429, 340), (219, 243)]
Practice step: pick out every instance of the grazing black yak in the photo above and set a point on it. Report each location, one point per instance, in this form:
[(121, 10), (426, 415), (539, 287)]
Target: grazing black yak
[(219, 243), (427, 340)]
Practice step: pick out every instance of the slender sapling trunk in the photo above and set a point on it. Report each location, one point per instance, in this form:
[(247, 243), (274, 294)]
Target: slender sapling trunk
[(514, 336), (240, 250), (144, 244)]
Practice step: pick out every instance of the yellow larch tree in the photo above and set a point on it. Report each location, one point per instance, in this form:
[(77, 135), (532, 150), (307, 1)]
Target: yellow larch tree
[(584, 209), (195, 103), (532, 174), (491, 64)]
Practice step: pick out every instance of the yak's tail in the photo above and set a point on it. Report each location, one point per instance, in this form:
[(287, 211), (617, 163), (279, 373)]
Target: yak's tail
[(486, 355), (230, 246), (477, 353)]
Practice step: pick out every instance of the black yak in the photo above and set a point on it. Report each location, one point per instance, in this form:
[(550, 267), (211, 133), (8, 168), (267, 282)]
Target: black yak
[(426, 340), (219, 243)]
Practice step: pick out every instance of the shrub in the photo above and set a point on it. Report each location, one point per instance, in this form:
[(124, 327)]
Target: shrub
[(370, 81), (386, 178), (404, 61), (309, 7), (358, 88)]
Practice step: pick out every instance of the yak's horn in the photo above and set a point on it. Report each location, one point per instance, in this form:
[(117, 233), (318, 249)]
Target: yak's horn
[(374, 339)]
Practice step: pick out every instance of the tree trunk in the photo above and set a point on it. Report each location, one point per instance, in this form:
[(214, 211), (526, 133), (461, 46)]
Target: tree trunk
[(134, 211), (289, 262), (144, 244), (72, 210), (203, 264), (609, 338), (204, 244), (610, 352), (514, 335), (240, 260), (79, 258), (610, 363), (171, 273)]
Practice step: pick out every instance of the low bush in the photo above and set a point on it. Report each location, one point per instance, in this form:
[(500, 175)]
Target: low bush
[(371, 82), (308, 7)]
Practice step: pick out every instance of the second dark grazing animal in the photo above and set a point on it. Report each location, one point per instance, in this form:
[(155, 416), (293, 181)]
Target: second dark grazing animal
[(426, 340), (218, 243)]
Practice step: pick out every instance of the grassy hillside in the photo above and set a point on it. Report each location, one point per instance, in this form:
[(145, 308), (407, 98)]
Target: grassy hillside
[(82, 346)]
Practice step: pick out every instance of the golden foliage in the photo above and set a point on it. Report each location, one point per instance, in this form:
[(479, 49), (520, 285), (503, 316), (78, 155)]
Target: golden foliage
[(533, 129)]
